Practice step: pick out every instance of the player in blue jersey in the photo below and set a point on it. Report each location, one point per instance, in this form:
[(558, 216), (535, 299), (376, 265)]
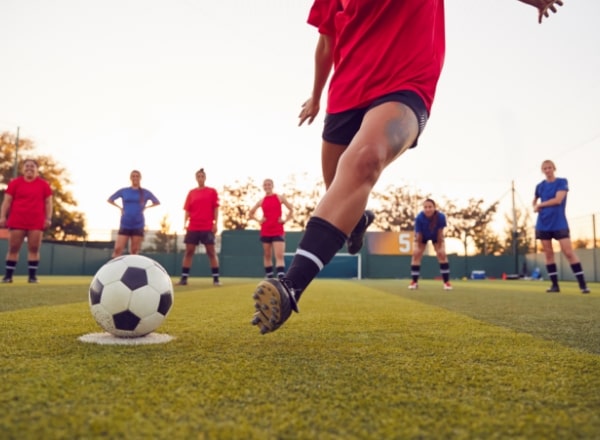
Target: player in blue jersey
[(549, 202), (134, 200), (429, 226)]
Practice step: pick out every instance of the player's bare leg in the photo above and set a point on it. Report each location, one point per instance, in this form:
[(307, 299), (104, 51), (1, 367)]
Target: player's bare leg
[(386, 132)]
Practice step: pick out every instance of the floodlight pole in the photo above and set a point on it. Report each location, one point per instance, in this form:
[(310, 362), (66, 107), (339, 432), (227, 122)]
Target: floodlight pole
[(16, 164), (594, 248), (515, 234)]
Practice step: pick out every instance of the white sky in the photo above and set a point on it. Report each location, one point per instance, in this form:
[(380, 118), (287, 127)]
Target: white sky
[(168, 87)]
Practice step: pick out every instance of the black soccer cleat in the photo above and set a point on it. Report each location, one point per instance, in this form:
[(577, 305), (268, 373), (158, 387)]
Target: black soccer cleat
[(585, 290), (182, 282), (355, 241), (553, 289), (274, 302), (6, 280), (32, 280)]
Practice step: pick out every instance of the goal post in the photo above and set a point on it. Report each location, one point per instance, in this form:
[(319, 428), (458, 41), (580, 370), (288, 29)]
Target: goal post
[(343, 265)]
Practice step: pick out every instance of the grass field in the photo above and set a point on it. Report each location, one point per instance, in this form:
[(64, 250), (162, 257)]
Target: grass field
[(363, 360)]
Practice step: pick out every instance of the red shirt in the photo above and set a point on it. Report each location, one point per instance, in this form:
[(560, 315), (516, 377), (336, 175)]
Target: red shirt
[(28, 208), (200, 204), (380, 47), (271, 208)]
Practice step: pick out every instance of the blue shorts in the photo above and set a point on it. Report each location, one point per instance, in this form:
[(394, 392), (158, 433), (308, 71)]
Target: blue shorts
[(549, 235), (340, 128)]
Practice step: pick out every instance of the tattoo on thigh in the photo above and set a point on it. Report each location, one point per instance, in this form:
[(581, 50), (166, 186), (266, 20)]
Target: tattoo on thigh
[(398, 132)]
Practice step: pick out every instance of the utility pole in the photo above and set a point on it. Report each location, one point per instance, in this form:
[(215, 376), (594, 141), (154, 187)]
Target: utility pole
[(16, 164), (515, 233)]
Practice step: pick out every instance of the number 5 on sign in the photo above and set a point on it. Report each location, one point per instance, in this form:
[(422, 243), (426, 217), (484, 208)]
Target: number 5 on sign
[(405, 242)]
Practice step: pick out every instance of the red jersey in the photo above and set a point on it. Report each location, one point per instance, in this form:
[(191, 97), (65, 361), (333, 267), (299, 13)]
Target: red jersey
[(200, 204), (271, 208), (28, 208), (380, 47)]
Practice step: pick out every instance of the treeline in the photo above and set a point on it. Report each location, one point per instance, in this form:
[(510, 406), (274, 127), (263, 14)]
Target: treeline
[(395, 207)]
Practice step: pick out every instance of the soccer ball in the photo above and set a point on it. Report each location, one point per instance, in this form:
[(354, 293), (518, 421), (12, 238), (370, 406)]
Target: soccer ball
[(130, 296)]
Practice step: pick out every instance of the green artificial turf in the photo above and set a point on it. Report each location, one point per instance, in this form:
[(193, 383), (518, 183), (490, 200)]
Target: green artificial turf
[(363, 360)]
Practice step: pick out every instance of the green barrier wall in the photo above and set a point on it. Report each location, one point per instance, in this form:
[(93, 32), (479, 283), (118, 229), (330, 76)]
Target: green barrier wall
[(241, 256)]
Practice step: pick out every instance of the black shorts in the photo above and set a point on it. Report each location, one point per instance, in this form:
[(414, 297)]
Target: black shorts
[(549, 235), (196, 237), (340, 128), (132, 232), (272, 239)]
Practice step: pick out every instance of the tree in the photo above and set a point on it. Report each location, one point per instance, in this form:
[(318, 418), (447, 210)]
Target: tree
[(164, 241), (303, 201), (470, 224), (525, 241), (582, 243), (239, 198), (67, 223), (236, 200), (396, 208)]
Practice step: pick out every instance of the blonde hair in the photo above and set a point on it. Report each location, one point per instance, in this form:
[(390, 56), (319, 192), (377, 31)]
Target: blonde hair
[(549, 162)]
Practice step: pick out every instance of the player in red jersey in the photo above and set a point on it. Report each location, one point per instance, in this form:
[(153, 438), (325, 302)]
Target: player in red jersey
[(272, 234), (201, 215), (386, 57), (26, 210)]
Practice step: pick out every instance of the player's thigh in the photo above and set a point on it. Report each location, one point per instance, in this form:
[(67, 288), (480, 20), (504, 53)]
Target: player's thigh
[(136, 243), (387, 130), (279, 248), (210, 250), (566, 247), (267, 249), (547, 247), (121, 241), (34, 239), (15, 239), (440, 248), (330, 155), (418, 249)]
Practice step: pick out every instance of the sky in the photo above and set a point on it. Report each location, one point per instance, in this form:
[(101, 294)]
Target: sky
[(168, 87)]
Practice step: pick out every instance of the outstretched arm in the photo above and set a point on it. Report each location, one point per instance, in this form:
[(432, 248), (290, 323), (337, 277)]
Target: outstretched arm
[(323, 66), (543, 6)]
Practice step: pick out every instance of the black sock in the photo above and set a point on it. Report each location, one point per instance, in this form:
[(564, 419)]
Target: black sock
[(215, 274), (280, 271), (445, 271), (269, 272), (10, 268), (415, 272), (32, 266), (185, 273), (319, 244), (578, 272), (552, 273)]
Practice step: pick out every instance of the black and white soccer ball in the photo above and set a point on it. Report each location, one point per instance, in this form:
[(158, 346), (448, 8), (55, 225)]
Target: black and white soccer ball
[(130, 296)]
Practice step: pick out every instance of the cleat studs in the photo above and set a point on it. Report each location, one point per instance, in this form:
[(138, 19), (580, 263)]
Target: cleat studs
[(255, 320), (255, 297)]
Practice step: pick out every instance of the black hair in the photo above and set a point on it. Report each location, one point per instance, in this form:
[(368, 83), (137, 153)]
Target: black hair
[(435, 217)]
